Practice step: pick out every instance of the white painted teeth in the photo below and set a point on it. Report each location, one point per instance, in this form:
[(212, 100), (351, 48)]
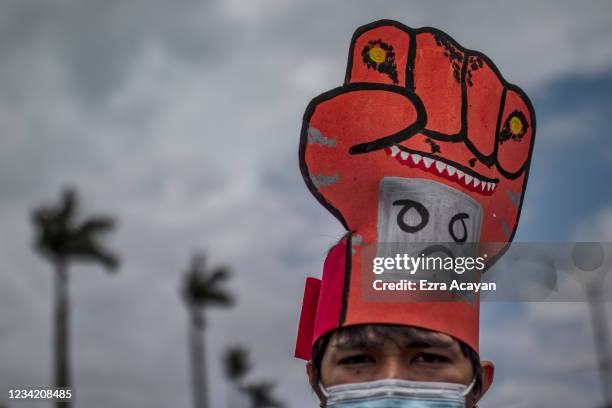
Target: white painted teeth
[(466, 179)]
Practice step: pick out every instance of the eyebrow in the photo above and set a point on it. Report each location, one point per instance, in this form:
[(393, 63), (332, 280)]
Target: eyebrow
[(419, 341), (361, 343), (430, 342)]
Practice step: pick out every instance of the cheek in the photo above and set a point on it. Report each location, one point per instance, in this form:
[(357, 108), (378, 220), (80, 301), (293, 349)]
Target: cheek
[(333, 374), (458, 372), (461, 372), (330, 373)]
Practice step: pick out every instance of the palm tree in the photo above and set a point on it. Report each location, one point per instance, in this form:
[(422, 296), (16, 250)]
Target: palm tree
[(261, 395), (201, 289), (237, 365), (590, 259), (61, 238)]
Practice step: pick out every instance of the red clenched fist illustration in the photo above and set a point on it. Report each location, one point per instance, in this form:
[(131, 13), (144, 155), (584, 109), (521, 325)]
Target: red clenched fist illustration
[(425, 141), (424, 148)]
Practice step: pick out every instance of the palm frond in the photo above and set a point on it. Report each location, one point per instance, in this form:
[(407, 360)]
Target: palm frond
[(60, 237), (236, 363), (260, 395), (68, 206), (203, 288), (219, 298), (108, 260), (219, 275), (96, 224)]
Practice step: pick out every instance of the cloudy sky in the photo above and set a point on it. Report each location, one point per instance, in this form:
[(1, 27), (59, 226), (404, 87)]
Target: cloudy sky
[(182, 119)]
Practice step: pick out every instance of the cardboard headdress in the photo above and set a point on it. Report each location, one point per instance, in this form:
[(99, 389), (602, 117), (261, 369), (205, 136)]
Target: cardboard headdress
[(423, 124)]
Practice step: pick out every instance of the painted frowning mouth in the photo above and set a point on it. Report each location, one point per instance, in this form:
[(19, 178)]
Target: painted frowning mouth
[(444, 168)]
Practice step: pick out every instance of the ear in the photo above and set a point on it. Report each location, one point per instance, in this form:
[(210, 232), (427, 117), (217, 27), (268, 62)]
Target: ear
[(488, 372), (314, 386)]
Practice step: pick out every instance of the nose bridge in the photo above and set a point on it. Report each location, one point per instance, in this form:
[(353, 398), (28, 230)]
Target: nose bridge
[(397, 366)]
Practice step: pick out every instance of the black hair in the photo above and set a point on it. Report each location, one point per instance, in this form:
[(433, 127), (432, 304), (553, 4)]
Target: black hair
[(361, 334)]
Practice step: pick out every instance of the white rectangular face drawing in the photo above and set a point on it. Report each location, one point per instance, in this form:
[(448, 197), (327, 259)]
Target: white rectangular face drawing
[(413, 211)]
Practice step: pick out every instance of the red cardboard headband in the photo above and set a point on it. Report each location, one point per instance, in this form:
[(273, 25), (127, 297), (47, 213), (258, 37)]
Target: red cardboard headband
[(420, 118)]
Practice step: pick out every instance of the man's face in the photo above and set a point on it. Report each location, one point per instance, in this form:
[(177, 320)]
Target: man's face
[(423, 356)]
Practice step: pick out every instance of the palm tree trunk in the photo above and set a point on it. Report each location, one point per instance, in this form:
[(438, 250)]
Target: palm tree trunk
[(240, 394), (198, 366), (62, 316), (234, 394), (601, 338)]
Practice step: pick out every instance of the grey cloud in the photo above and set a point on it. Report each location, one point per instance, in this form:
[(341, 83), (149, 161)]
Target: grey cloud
[(97, 42), (183, 119)]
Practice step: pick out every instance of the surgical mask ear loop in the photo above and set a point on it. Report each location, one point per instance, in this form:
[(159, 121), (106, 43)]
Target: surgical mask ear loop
[(324, 393), (469, 388), (323, 390)]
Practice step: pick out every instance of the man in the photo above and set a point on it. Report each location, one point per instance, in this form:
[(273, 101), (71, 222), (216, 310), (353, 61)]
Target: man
[(357, 354), (424, 149)]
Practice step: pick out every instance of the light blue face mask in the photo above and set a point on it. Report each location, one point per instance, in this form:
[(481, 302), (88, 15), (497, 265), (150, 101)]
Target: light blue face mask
[(392, 393)]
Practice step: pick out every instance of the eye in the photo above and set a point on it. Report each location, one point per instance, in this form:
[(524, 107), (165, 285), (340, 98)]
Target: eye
[(514, 127), (422, 216), (457, 228), (357, 359), (431, 358)]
